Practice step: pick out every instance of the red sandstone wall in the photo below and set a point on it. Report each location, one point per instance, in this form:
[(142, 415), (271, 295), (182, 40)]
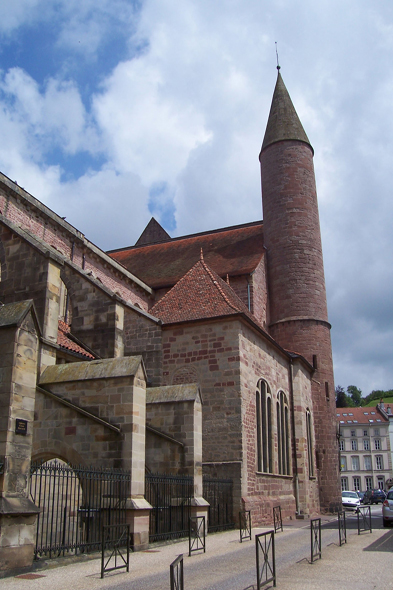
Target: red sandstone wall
[(292, 234)]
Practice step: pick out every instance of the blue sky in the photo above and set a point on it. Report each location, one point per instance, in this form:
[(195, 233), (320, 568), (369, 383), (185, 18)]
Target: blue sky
[(114, 111)]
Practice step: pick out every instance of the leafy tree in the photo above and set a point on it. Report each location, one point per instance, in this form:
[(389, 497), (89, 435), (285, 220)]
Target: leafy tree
[(342, 399), (356, 394)]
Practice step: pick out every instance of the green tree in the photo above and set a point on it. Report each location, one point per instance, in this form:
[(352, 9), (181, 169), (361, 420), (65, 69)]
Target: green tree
[(342, 399), (355, 394)]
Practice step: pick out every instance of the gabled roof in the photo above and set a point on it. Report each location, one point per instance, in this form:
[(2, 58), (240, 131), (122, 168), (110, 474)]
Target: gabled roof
[(354, 416), (283, 122), (200, 294), (152, 234), (68, 342), (233, 250), (13, 314)]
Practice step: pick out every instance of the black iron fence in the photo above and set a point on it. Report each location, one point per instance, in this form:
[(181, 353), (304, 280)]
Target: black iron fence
[(115, 551), (364, 519), (265, 559), (315, 526), (245, 525), (170, 498), (75, 502), (219, 494)]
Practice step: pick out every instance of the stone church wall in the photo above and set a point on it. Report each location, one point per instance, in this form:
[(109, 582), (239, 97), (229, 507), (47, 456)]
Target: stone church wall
[(29, 214)]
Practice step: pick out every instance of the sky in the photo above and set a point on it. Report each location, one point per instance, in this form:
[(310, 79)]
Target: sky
[(115, 111)]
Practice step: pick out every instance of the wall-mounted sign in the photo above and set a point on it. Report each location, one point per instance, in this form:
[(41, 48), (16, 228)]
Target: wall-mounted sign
[(20, 426)]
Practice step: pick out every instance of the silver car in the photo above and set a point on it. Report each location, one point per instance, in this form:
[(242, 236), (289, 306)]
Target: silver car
[(350, 500), (387, 509)]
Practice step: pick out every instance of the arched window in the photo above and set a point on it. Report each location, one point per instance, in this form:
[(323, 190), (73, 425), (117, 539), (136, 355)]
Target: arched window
[(282, 434), (310, 452), (264, 428)]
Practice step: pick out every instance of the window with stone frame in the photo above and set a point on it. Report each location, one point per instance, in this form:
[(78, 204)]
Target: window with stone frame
[(344, 484), (263, 400), (343, 463), (377, 444), (366, 444), (376, 431), (356, 484), (367, 463), (310, 446), (354, 445), (369, 483), (342, 444), (379, 462), (355, 463), (282, 414)]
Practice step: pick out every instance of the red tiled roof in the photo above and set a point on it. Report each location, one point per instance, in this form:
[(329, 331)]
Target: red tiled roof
[(64, 341), (360, 415), (234, 251), (200, 294)]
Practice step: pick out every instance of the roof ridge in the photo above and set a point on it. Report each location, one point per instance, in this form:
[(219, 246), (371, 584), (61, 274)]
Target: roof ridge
[(194, 235), (218, 286)]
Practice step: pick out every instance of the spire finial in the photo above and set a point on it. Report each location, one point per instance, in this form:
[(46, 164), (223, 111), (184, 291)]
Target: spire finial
[(201, 253), (278, 65)]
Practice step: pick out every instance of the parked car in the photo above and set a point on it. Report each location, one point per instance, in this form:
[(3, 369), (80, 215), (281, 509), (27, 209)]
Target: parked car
[(387, 509), (350, 500), (374, 497), (361, 496)]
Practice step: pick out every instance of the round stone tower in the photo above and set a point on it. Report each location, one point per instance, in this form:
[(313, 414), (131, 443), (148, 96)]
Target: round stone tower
[(297, 296)]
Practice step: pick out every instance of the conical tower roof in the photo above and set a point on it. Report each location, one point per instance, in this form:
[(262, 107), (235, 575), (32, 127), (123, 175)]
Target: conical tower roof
[(283, 123)]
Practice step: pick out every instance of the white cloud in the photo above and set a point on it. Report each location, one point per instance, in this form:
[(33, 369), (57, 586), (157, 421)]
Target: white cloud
[(186, 113)]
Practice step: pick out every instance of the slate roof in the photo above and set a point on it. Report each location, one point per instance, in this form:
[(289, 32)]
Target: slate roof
[(152, 234), (233, 250), (64, 340), (200, 294), (283, 122), (360, 416), (126, 366)]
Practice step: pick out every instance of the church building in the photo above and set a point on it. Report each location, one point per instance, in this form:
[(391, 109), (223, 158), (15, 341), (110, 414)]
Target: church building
[(207, 354)]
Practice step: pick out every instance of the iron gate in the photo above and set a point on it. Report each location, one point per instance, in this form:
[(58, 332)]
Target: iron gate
[(75, 502), (219, 494), (170, 498)]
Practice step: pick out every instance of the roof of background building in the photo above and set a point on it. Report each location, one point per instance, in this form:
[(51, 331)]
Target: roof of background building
[(233, 250), (353, 416)]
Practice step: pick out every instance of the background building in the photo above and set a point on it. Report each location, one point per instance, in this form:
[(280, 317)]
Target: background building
[(365, 457)]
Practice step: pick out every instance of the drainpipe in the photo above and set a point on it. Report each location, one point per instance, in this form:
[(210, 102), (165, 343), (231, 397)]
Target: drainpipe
[(295, 468)]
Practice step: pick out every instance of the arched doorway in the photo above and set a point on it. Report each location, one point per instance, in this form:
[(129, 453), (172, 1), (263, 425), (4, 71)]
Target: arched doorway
[(75, 503)]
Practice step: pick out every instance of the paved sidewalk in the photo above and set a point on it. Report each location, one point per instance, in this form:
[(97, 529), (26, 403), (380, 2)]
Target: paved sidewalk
[(230, 565)]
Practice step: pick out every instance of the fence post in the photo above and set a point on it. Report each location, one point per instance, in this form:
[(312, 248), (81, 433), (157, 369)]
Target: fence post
[(116, 538), (245, 525), (365, 511), (197, 534), (266, 569), (342, 528), (277, 517), (315, 527), (177, 574)]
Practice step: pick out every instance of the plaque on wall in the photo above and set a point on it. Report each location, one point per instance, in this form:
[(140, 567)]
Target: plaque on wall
[(20, 426)]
